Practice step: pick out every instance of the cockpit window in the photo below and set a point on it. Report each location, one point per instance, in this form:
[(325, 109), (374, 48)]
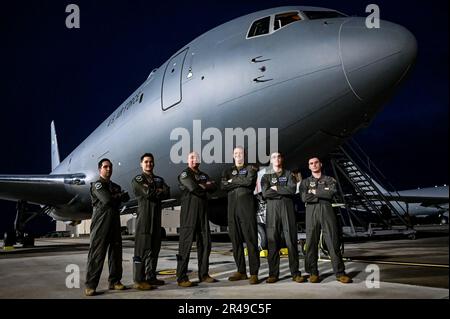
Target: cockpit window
[(259, 27), (314, 15), (284, 19)]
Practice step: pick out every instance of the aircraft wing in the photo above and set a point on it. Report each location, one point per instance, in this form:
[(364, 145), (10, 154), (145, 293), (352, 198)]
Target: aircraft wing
[(39, 189), (432, 196), (131, 206), (424, 201)]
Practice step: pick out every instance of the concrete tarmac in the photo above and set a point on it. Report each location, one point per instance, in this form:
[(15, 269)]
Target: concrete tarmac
[(408, 269)]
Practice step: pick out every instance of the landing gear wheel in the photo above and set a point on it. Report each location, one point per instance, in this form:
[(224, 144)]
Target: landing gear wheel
[(412, 236)]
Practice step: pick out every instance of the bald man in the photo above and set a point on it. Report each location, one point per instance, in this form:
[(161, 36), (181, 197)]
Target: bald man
[(194, 222)]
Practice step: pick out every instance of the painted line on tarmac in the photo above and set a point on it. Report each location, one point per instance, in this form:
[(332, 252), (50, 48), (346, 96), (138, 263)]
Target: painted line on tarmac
[(398, 263)]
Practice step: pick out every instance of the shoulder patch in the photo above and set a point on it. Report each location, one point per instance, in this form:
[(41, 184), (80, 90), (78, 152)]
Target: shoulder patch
[(98, 185), (139, 178), (183, 175)]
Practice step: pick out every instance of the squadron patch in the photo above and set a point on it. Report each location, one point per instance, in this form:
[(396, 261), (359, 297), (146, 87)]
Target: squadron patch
[(274, 180), (283, 179), (312, 184), (183, 175), (98, 185), (139, 178), (234, 173)]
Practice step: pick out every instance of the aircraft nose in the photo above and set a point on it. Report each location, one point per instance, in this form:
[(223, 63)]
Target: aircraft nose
[(375, 60)]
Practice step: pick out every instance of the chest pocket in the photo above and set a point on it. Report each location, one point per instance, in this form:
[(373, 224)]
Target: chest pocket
[(147, 183), (158, 182), (282, 181), (202, 179), (114, 190), (243, 172), (322, 184)]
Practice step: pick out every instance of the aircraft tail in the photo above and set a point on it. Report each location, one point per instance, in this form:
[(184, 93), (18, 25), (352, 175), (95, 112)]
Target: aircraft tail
[(54, 146)]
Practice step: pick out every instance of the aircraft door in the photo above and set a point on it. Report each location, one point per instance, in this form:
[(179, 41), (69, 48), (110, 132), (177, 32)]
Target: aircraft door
[(171, 91)]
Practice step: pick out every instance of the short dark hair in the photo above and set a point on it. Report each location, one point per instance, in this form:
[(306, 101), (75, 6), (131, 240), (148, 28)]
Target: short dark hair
[(104, 160), (147, 155), (314, 156)]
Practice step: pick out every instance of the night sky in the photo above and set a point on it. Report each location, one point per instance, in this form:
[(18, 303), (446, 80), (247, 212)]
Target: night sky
[(78, 77)]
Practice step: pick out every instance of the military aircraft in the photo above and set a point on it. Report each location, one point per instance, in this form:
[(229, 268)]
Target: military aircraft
[(315, 74), (422, 203)]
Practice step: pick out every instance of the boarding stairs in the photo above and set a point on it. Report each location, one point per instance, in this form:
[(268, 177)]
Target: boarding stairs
[(366, 207)]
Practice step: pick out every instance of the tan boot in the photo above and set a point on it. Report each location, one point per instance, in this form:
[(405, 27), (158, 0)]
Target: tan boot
[(298, 278), (89, 292), (237, 276), (142, 286), (272, 279), (208, 279), (253, 280), (116, 286), (344, 279), (185, 283), (314, 279)]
